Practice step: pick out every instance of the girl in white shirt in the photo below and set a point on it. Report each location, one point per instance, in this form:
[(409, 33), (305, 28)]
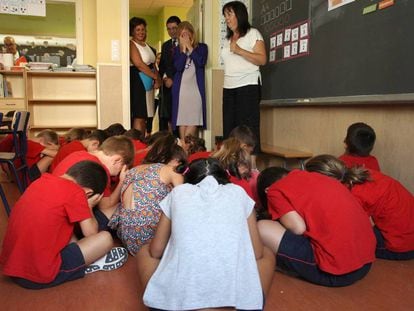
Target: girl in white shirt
[(206, 252)]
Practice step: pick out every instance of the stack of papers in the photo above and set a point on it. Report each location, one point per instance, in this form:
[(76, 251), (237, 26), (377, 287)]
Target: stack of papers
[(39, 66)]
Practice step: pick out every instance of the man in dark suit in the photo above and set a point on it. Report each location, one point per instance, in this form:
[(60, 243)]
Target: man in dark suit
[(167, 71)]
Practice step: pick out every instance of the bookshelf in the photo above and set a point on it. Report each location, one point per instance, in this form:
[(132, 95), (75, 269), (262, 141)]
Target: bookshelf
[(61, 100), (15, 98)]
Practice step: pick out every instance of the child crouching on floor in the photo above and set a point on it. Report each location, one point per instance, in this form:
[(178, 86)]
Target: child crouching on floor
[(39, 248), (206, 252)]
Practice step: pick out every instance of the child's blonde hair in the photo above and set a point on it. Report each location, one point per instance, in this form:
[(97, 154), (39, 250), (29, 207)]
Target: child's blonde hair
[(231, 155), (75, 133), (49, 137), (119, 145)]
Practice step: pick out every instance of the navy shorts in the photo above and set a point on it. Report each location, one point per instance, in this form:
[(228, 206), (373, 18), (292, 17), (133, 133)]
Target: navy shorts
[(295, 256), (383, 253), (72, 268)]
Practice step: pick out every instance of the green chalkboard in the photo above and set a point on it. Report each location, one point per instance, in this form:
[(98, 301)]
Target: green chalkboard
[(348, 53)]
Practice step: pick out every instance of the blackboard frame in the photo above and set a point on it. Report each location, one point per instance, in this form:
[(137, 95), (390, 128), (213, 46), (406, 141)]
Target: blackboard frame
[(381, 70)]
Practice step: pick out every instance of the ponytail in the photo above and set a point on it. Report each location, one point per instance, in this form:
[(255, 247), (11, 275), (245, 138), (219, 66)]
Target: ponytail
[(330, 166)]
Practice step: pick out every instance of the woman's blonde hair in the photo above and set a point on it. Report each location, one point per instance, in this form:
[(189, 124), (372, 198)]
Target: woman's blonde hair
[(187, 25)]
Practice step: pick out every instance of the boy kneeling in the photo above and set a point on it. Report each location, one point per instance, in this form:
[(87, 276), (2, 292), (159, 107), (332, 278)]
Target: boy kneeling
[(40, 249)]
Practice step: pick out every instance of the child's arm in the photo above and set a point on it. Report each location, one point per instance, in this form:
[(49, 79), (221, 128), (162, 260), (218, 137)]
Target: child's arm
[(109, 202), (89, 226), (254, 236), (293, 222), (162, 235)]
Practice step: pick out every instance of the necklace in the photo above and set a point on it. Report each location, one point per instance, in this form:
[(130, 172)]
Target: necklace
[(187, 65)]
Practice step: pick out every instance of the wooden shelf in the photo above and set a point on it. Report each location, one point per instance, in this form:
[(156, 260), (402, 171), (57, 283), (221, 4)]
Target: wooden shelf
[(54, 101), (62, 126), (73, 74)]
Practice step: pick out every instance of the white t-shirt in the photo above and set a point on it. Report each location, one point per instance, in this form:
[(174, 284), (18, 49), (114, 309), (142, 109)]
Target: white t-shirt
[(237, 70), (209, 260)]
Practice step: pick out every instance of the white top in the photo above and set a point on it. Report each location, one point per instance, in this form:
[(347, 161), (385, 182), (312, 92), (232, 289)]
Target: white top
[(209, 260), (147, 55), (237, 70)]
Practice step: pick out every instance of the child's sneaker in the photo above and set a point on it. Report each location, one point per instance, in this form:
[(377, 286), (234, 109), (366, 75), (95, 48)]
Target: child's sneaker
[(114, 259)]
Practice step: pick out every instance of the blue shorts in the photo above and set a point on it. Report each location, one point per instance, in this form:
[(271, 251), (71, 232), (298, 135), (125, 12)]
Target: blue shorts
[(295, 256), (72, 268), (383, 253)]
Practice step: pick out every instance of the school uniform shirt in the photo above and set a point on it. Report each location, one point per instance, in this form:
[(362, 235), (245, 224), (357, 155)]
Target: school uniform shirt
[(34, 152), (370, 161), (138, 145), (198, 155), (209, 260), (338, 228), (40, 226), (7, 143), (64, 151), (140, 156), (391, 207), (77, 157)]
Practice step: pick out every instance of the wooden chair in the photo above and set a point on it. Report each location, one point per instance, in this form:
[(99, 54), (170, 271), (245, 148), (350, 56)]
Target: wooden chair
[(16, 159)]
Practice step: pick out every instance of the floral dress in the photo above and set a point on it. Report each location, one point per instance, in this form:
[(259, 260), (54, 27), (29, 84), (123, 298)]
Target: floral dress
[(136, 226)]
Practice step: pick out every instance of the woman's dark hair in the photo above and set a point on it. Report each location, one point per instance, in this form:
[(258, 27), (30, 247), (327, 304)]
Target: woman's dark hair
[(266, 178), (134, 22), (333, 167), (89, 174), (242, 16), (360, 139), (201, 168), (164, 150)]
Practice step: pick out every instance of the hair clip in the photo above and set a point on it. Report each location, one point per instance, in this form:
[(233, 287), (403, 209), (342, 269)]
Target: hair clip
[(186, 170)]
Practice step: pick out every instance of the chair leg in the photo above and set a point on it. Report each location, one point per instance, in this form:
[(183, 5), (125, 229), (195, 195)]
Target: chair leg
[(4, 199), (21, 182)]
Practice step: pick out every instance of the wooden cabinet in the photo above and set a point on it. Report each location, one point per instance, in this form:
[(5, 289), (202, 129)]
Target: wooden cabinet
[(16, 98), (61, 100), (56, 100)]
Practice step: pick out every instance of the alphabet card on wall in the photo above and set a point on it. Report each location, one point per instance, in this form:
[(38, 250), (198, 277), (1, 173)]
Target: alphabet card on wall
[(23, 7)]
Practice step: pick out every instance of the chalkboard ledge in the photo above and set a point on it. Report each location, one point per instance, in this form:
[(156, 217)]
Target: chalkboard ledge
[(407, 98)]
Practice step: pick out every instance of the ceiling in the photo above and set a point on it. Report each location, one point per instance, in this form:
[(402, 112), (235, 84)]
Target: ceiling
[(153, 7)]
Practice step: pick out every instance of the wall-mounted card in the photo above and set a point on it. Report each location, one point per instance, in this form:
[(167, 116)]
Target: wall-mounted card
[(287, 34), (279, 39), (295, 34), (272, 42), (286, 51), (303, 46), (272, 56), (304, 30), (294, 48)]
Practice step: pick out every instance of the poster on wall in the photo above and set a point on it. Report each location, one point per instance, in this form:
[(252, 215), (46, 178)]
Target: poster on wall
[(333, 4), (23, 7), (223, 26)]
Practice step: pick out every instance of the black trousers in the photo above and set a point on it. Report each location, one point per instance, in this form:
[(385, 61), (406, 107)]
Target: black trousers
[(241, 106)]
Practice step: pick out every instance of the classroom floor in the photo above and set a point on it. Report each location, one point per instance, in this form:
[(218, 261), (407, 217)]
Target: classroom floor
[(388, 286)]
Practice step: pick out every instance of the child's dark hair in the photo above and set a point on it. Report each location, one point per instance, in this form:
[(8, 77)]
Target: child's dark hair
[(99, 135), (333, 167), (151, 139), (360, 139), (164, 150), (266, 178), (195, 144), (89, 174), (115, 129), (135, 134), (244, 134), (201, 168)]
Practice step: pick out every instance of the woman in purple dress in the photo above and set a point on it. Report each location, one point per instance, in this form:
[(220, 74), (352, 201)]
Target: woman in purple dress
[(188, 91)]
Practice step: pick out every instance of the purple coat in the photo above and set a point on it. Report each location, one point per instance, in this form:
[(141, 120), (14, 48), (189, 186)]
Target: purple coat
[(199, 59)]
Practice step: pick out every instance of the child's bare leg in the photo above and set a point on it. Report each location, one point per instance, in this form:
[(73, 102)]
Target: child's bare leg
[(271, 233), (95, 246), (266, 266), (146, 265)]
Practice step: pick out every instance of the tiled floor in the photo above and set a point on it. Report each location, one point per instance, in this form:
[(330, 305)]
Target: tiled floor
[(388, 286)]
